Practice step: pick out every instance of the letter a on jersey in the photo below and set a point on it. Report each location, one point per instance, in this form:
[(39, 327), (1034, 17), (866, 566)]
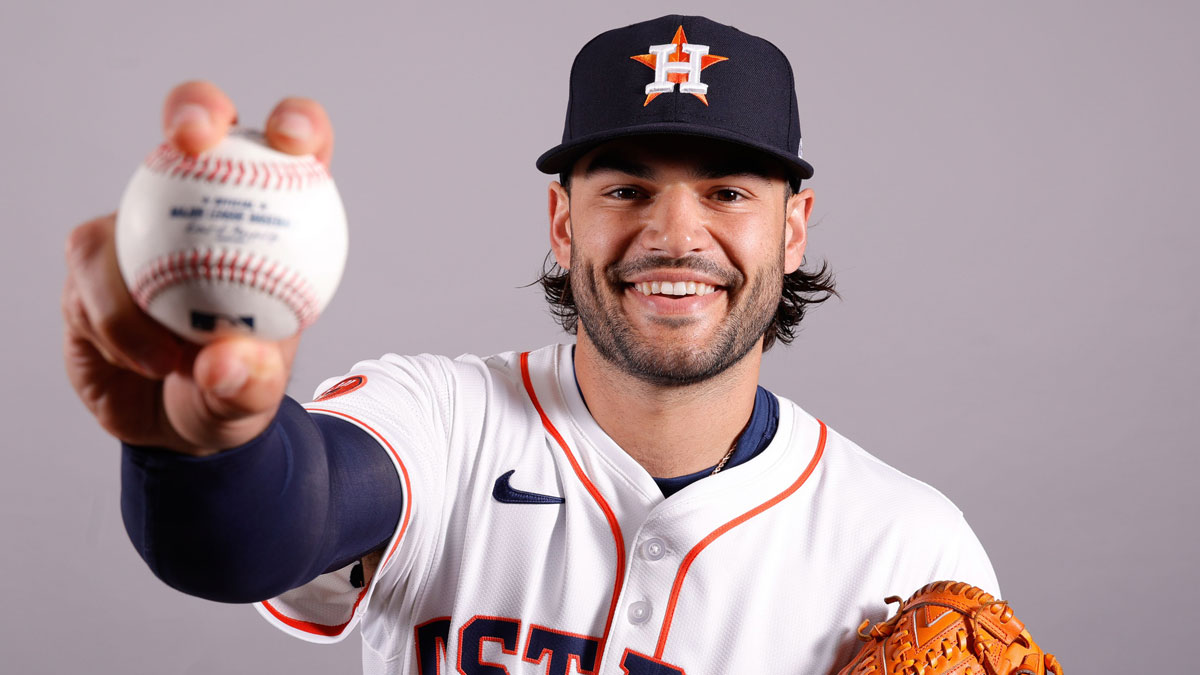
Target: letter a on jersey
[(678, 62)]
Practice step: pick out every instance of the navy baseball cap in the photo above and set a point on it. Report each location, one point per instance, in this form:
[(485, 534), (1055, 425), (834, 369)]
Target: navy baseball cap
[(681, 75)]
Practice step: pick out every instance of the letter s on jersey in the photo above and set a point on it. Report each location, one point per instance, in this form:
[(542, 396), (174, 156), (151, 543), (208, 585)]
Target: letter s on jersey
[(558, 652)]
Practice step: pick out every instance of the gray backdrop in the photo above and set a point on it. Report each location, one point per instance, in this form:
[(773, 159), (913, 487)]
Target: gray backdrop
[(1003, 188)]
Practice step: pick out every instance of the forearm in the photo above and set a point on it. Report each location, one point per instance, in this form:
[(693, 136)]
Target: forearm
[(309, 494)]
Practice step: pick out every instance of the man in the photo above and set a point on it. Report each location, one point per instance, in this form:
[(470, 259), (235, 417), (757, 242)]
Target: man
[(634, 503)]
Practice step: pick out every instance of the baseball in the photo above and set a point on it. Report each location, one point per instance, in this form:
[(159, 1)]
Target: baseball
[(240, 239)]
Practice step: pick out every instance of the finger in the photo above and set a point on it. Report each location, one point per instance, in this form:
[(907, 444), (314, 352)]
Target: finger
[(196, 116), (121, 400), (80, 329), (299, 126), (98, 305)]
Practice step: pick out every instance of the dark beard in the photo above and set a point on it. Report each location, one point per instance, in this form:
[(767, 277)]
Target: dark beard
[(618, 344)]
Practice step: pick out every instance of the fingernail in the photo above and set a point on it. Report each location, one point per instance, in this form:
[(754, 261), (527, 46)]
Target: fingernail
[(232, 380), (294, 125), (191, 114)]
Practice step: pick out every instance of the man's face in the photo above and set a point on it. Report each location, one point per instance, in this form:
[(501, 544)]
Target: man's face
[(677, 248)]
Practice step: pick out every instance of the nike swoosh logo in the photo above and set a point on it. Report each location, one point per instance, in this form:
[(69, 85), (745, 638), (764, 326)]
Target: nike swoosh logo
[(503, 492)]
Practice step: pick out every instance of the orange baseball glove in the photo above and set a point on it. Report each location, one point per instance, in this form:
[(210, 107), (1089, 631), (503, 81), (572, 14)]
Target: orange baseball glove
[(950, 627)]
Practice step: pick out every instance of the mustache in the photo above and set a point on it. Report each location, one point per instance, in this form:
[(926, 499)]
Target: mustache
[(616, 273)]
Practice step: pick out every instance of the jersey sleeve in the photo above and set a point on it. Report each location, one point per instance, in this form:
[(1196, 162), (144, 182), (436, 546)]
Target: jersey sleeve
[(407, 405)]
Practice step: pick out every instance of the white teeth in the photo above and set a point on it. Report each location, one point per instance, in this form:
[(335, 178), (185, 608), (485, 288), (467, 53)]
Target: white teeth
[(676, 288)]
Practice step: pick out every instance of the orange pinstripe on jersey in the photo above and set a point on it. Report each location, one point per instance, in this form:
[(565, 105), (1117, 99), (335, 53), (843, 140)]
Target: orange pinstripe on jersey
[(692, 554), (618, 539)]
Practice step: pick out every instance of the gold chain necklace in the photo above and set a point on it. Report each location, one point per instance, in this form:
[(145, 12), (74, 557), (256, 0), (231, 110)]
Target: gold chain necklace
[(721, 464)]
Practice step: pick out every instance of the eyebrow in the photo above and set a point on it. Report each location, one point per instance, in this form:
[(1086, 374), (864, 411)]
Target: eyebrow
[(737, 166), (609, 161)]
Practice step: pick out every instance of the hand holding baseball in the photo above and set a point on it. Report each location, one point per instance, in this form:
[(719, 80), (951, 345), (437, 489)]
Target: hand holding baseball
[(142, 383)]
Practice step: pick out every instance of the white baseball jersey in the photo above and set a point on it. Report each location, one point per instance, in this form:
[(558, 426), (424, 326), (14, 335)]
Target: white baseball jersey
[(531, 543)]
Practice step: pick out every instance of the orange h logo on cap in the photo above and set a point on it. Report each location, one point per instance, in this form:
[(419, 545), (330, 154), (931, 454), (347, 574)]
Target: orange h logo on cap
[(678, 62)]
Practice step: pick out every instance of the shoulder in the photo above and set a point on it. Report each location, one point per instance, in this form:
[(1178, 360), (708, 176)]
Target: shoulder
[(857, 480), (437, 392), (878, 513), (421, 372), (887, 481)]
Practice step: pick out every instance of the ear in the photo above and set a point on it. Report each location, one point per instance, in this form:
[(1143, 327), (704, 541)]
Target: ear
[(560, 225), (795, 234)]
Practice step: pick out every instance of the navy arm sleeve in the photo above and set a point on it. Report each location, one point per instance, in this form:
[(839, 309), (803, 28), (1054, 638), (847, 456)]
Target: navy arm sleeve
[(311, 494)]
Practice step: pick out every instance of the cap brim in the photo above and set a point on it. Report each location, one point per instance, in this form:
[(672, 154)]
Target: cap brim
[(562, 156)]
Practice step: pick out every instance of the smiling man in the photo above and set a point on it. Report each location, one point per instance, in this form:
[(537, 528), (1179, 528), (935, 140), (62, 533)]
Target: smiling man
[(631, 504), (678, 248)]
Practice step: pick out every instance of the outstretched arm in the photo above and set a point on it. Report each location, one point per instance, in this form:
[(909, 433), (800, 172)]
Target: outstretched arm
[(242, 496), (311, 494)]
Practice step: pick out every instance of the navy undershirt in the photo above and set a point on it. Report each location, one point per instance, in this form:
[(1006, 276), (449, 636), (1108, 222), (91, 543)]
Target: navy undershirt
[(311, 494), (756, 436), (759, 431)]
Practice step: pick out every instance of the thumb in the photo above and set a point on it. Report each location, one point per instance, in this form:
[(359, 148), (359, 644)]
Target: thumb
[(235, 387), (240, 377), (231, 397)]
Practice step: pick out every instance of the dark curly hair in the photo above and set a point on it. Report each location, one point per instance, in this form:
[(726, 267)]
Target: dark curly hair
[(800, 289)]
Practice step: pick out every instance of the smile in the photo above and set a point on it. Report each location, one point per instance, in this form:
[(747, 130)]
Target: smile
[(674, 288)]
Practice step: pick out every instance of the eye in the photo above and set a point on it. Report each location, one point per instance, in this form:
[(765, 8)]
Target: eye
[(625, 193), (728, 195)]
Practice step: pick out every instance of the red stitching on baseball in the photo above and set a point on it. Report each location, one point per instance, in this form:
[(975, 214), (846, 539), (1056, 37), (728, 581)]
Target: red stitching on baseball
[(216, 168), (229, 269), (282, 175), (181, 167), (283, 284), (199, 167), (166, 155)]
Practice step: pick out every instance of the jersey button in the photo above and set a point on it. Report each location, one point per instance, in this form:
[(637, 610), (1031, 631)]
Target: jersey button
[(654, 549), (639, 612)]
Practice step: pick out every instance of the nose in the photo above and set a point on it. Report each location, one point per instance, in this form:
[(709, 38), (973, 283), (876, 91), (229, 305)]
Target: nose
[(675, 223)]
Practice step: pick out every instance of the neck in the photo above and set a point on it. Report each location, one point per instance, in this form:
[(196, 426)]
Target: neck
[(670, 430)]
